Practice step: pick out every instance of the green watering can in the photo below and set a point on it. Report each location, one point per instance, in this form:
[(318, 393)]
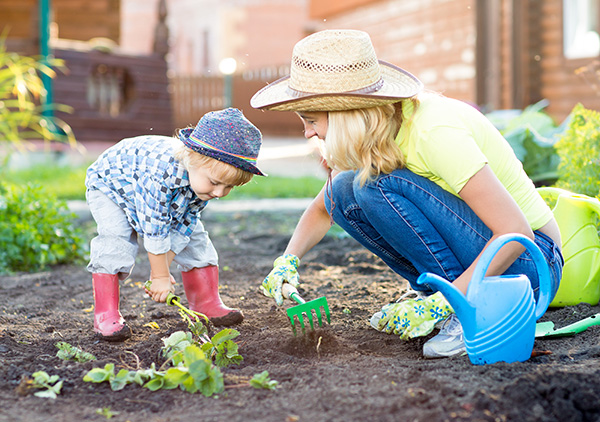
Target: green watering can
[(576, 217)]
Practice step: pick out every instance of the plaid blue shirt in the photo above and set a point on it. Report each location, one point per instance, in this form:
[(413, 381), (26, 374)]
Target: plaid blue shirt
[(153, 188)]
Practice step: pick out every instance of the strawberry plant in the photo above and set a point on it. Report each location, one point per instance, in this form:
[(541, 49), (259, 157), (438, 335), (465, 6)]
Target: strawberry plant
[(263, 380), (195, 365), (67, 351), (50, 384)]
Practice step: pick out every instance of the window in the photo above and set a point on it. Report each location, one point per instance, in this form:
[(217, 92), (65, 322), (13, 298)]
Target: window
[(581, 27)]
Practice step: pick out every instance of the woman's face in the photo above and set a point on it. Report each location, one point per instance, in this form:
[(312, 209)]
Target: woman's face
[(315, 123)]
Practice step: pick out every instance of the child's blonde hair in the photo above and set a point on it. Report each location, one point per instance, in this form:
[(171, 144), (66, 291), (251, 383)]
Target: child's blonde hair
[(222, 171), (365, 140)]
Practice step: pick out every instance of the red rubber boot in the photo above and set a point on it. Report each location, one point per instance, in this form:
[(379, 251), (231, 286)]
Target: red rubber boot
[(201, 287), (108, 322)]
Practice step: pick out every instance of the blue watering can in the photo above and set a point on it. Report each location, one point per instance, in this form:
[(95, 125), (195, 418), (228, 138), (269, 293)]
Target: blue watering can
[(498, 314)]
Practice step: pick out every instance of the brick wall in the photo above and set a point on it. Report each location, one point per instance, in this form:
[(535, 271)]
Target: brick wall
[(434, 39), (559, 83)]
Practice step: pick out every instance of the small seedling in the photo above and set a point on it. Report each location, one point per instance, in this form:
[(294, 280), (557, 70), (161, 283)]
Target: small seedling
[(263, 380), (106, 412), (67, 351), (51, 384)]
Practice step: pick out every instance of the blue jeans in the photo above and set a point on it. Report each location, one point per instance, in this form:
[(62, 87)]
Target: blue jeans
[(415, 226)]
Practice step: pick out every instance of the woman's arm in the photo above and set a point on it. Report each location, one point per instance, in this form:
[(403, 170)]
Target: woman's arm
[(312, 227), (488, 198)]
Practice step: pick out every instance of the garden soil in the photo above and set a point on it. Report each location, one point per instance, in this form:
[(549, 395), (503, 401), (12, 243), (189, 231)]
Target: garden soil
[(345, 371)]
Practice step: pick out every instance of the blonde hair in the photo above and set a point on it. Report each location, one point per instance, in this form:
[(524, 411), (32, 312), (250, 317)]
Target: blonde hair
[(223, 171), (365, 140)]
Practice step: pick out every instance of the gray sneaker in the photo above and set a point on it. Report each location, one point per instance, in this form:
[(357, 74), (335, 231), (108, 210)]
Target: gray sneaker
[(448, 342)]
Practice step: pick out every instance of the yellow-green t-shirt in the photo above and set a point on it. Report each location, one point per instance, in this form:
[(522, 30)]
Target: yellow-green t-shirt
[(448, 141)]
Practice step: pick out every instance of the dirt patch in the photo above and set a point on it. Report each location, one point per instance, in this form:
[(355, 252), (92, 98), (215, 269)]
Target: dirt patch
[(344, 371)]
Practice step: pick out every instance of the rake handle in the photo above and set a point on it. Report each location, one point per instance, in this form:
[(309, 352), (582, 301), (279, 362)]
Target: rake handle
[(290, 292), (171, 298)]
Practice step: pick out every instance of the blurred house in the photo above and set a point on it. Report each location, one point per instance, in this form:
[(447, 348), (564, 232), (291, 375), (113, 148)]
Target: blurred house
[(495, 53), (114, 94), (150, 66)]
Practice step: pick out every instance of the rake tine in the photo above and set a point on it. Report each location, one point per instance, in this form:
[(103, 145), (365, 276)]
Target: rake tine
[(310, 319), (319, 318), (305, 309), (301, 319)]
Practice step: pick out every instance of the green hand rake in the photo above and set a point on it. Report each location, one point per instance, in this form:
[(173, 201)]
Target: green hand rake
[(304, 308)]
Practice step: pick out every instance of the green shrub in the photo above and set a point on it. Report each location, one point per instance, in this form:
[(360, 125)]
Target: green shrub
[(579, 152), (36, 230), (532, 135)]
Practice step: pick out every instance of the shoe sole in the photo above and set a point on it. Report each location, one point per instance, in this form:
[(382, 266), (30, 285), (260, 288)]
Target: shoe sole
[(121, 335), (462, 352)]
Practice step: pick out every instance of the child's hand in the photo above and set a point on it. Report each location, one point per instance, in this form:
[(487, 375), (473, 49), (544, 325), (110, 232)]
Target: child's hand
[(161, 287)]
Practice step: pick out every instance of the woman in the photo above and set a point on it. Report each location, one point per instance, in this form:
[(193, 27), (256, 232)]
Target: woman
[(423, 181)]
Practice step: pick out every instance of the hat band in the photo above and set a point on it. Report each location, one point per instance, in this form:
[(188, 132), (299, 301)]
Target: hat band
[(366, 90), (205, 145)]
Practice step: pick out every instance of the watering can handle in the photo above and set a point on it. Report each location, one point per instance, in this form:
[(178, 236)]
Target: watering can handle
[(538, 258), (554, 193)]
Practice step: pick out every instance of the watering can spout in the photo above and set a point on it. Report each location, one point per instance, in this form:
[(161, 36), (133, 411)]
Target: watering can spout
[(463, 309)]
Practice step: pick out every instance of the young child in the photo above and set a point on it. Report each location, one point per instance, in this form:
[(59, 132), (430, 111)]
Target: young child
[(155, 187)]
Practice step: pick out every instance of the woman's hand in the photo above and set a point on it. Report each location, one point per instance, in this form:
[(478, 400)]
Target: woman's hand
[(285, 270), (413, 317)]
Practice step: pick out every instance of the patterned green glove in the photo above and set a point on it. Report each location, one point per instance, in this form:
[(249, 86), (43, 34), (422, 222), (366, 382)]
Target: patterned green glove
[(285, 270), (414, 317)]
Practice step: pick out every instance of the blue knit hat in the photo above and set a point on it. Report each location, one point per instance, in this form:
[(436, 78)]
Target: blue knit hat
[(227, 136)]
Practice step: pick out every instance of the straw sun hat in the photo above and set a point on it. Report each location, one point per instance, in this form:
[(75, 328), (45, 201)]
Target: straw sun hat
[(335, 70)]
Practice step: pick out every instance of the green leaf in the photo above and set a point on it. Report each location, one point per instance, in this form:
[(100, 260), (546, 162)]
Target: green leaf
[(224, 335), (49, 394), (263, 380), (227, 354), (175, 377), (100, 374), (120, 380), (155, 384), (191, 354)]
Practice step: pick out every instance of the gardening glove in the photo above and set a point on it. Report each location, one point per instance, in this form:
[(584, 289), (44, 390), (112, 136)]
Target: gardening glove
[(285, 270), (414, 317)]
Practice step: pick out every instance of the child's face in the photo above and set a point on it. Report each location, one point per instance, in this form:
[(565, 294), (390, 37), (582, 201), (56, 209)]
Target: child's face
[(206, 185)]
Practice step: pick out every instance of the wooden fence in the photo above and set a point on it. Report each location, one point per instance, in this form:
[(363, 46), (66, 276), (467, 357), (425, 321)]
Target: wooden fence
[(113, 95), (193, 96)]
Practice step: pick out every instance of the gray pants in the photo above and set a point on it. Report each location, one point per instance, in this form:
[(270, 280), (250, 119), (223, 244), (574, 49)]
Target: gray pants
[(115, 248)]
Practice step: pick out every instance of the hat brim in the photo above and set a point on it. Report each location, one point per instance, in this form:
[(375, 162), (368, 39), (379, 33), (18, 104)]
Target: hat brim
[(398, 84), (184, 136)]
